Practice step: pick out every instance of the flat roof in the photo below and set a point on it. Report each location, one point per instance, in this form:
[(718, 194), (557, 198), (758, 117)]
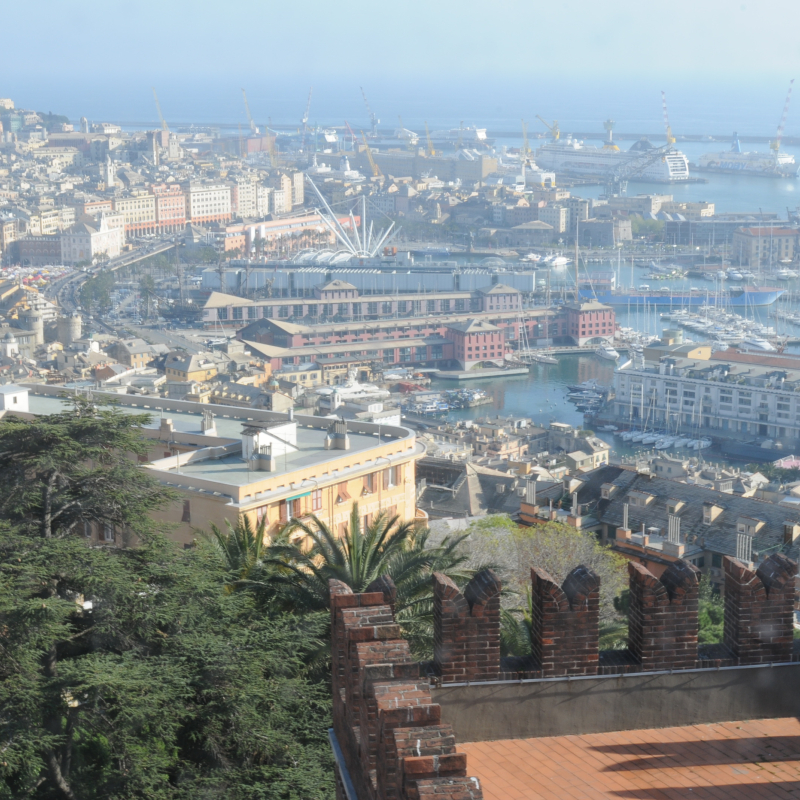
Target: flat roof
[(234, 471), (184, 421), (730, 760)]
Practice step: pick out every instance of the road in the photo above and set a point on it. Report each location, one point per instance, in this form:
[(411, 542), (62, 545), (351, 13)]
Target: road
[(66, 290)]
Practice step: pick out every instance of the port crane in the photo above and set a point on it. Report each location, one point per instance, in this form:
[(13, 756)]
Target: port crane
[(271, 139), (376, 170), (410, 142), (253, 127), (305, 120), (352, 135), (554, 129), (667, 128), (373, 119), (164, 125), (776, 145), (431, 152), (618, 182)]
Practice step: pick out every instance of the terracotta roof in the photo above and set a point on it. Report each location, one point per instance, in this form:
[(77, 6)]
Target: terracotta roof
[(731, 760)]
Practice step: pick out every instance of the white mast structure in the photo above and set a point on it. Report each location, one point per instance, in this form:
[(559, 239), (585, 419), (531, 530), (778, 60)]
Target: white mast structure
[(363, 245)]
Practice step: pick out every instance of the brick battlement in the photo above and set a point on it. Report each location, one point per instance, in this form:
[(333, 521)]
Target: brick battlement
[(394, 742)]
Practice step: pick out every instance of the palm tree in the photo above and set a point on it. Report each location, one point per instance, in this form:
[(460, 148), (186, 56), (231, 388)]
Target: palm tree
[(247, 554), (386, 547)]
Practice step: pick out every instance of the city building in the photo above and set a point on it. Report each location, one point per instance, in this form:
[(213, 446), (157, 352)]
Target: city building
[(208, 202), (589, 323), (227, 461), (734, 396), (180, 366), (170, 207), (84, 242), (139, 212), (764, 245), (477, 343)]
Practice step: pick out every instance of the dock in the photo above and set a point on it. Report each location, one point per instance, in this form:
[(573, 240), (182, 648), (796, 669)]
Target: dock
[(481, 374)]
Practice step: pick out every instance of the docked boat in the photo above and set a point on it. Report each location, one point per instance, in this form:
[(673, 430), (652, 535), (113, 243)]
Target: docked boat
[(544, 358), (591, 385), (665, 443), (572, 156), (776, 164), (627, 436), (651, 438), (638, 436), (608, 352), (758, 344), (608, 428)]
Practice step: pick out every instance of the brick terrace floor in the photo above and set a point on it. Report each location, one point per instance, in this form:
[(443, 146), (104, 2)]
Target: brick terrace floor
[(753, 760)]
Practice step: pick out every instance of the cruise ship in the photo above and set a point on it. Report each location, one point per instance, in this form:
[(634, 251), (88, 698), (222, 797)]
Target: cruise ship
[(744, 297), (469, 136), (774, 164), (573, 156)]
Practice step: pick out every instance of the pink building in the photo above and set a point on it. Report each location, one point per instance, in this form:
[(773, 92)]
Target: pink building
[(477, 342), (589, 323)]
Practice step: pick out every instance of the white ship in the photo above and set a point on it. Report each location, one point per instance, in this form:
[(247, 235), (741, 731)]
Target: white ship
[(469, 136), (774, 164), (573, 156)]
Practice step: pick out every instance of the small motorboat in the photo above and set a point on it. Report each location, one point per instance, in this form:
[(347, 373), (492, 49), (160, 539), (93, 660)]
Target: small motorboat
[(607, 352)]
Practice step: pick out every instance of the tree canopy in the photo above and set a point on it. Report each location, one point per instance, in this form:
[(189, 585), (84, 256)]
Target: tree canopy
[(133, 673)]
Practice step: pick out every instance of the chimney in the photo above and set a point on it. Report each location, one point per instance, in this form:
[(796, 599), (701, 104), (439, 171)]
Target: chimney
[(207, 425), (673, 546), (337, 438), (744, 547), (263, 460), (166, 429)]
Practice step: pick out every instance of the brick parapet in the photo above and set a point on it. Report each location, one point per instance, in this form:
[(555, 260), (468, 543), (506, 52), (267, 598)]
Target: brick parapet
[(565, 623), (466, 628), (662, 618), (759, 606), (392, 738)]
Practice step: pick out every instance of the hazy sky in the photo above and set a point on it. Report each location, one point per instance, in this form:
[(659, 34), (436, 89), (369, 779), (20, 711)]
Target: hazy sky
[(717, 59)]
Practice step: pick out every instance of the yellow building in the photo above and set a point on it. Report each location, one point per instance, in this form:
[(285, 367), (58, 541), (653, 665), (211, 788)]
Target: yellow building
[(229, 461), (187, 367), (754, 246)]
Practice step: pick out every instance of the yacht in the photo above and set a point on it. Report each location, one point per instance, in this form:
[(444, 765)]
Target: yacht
[(638, 436), (755, 343), (735, 275), (608, 352), (544, 358), (651, 438), (665, 443), (681, 441), (627, 436)]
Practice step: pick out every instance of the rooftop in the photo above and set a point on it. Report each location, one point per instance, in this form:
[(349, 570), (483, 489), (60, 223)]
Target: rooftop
[(732, 760)]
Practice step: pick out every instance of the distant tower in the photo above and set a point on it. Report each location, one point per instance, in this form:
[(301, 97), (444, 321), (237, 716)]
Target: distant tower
[(70, 328), (35, 323), (609, 126), (110, 173), (9, 346), (84, 125)]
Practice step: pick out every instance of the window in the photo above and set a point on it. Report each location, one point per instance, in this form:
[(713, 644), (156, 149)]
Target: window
[(716, 560), (87, 530), (369, 483), (316, 500), (341, 493), (187, 511), (283, 508), (108, 533)]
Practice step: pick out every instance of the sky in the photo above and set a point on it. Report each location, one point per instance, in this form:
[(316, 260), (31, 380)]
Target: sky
[(723, 64)]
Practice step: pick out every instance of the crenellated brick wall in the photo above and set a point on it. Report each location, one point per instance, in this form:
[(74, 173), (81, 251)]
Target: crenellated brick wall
[(662, 619), (467, 628), (758, 609), (565, 623), (393, 741)]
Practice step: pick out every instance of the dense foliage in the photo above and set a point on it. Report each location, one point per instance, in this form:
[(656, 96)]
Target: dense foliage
[(134, 673), (96, 292)]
